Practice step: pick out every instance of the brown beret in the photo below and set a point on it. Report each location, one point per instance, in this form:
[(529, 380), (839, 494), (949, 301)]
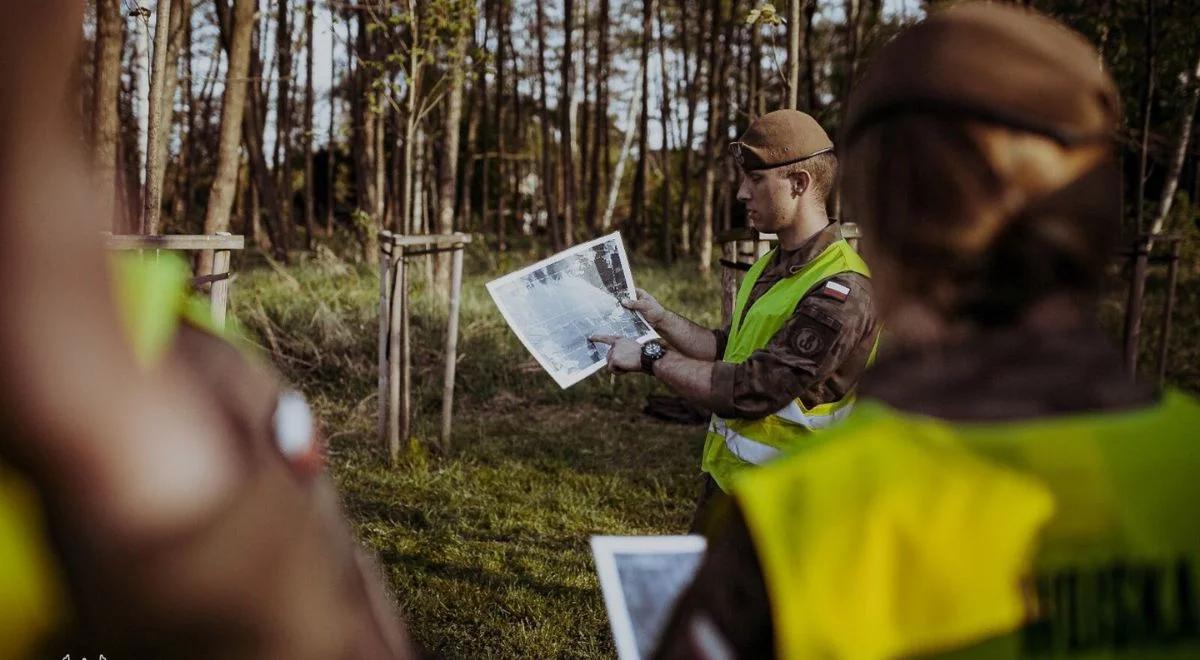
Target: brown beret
[(780, 138), (995, 63)]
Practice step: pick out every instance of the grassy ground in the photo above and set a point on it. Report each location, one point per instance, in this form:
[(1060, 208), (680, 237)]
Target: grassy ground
[(487, 548)]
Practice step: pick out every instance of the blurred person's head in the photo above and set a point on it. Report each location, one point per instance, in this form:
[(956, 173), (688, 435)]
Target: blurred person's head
[(978, 161), (788, 169)]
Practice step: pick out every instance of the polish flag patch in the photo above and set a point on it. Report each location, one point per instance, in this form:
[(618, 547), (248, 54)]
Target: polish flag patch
[(836, 290)]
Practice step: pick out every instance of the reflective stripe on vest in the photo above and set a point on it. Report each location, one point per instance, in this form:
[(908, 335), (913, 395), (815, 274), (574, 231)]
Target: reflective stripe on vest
[(735, 443), (898, 535)]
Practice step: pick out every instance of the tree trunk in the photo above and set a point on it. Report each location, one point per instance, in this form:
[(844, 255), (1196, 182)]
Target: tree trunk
[(692, 79), (498, 127), (1147, 107), (600, 122), (638, 202), (283, 119), (566, 156), (448, 173), (810, 68), (310, 188), (141, 101), (183, 173), (614, 189), (105, 100), (793, 31), (220, 198), (157, 112), (664, 189), (712, 147), (757, 104), (556, 238), (1180, 152)]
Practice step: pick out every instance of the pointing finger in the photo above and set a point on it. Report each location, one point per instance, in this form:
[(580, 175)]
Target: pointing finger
[(604, 339)]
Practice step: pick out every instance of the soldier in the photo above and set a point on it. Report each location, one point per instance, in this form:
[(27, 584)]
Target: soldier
[(802, 328), (158, 497), (1003, 488)]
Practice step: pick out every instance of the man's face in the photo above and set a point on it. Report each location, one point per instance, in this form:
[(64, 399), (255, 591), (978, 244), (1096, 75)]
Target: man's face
[(771, 202)]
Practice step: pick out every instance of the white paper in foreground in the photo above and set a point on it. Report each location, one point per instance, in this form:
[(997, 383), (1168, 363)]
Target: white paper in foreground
[(642, 578), (556, 304)]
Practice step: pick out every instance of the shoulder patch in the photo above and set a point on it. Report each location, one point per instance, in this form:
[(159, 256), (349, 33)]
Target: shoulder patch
[(833, 289)]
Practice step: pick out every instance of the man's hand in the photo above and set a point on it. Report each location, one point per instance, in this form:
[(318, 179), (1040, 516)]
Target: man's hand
[(651, 310), (624, 354)]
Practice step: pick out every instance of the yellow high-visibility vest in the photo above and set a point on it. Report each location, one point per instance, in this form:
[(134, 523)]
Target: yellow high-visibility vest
[(733, 444), (897, 535)]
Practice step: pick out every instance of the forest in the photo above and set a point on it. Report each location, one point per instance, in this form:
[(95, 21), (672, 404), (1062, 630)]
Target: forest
[(310, 126)]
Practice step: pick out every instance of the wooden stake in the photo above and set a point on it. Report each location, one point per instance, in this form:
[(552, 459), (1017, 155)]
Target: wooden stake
[(385, 315), (451, 346), (405, 353), (218, 296), (395, 321)]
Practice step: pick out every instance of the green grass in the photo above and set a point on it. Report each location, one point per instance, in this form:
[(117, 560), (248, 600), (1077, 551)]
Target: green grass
[(486, 548)]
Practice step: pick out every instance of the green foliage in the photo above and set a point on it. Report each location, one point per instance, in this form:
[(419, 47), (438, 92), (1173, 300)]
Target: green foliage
[(486, 548)]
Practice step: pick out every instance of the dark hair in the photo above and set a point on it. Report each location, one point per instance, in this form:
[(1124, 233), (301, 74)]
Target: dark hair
[(973, 215)]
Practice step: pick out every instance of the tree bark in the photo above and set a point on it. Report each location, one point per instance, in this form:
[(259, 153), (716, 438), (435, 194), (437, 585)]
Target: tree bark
[(600, 123), (810, 69), (691, 78), (716, 57), (548, 192), (283, 119), (448, 172), (141, 100), (1147, 108), (566, 156), (220, 198), (664, 189), (158, 112), (638, 201), (105, 100), (1180, 152), (310, 192), (793, 31)]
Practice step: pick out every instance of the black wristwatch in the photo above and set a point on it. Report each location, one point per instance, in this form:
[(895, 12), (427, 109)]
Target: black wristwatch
[(652, 351)]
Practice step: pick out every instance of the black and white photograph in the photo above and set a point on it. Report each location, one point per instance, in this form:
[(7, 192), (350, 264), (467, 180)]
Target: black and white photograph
[(556, 304), (642, 577)]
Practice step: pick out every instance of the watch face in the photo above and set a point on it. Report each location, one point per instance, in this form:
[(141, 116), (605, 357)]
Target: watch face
[(652, 350)]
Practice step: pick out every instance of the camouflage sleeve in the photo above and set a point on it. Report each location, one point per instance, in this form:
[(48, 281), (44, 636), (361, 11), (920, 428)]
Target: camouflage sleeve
[(725, 613), (824, 332)]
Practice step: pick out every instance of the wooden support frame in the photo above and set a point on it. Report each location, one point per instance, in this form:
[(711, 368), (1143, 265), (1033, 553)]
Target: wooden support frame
[(740, 248), (395, 346), (1140, 258), (222, 244)]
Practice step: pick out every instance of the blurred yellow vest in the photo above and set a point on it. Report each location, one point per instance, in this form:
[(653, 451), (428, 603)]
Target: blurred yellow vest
[(897, 535)]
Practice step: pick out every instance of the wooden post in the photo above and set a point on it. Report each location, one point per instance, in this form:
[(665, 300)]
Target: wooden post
[(1133, 308), (218, 296), (393, 360), (1164, 335), (728, 281), (405, 352), (451, 345), (385, 315)]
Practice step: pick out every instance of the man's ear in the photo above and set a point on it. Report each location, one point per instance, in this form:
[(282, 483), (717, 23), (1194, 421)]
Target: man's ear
[(801, 182)]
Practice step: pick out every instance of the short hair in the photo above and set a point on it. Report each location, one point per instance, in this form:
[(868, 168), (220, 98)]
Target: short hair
[(822, 169)]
